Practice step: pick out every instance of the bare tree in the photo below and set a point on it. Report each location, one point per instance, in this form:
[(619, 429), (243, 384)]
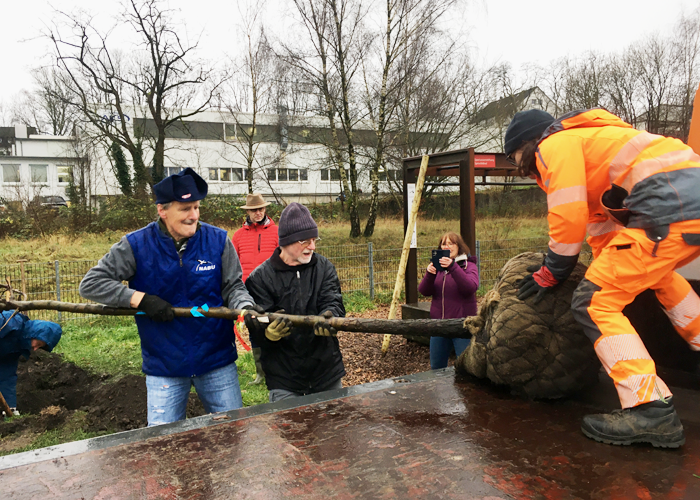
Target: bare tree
[(329, 60), (584, 80), (409, 36), (622, 87), (686, 46), (251, 92), (47, 107), (161, 81), (654, 61)]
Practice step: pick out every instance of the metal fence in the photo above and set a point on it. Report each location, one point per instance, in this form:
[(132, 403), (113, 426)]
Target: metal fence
[(361, 269)]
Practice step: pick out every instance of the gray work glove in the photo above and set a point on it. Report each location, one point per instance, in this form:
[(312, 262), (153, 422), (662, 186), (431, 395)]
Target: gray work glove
[(156, 308), (323, 329)]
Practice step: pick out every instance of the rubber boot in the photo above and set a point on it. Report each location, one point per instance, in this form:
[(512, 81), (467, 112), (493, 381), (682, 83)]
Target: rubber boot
[(656, 423), (259, 373)]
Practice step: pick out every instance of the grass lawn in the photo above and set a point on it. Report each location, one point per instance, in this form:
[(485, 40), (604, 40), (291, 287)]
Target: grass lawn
[(388, 234)]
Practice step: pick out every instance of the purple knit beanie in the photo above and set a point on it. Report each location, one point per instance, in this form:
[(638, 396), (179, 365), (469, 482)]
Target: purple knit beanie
[(296, 224)]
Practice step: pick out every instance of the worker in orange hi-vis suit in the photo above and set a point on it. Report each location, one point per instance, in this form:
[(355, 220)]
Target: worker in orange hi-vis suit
[(636, 195)]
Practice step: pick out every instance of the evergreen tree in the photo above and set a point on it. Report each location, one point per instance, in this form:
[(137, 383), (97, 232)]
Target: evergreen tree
[(121, 168)]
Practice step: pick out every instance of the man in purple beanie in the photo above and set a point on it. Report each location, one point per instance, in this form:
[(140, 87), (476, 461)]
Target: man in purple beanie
[(177, 261), (297, 360)]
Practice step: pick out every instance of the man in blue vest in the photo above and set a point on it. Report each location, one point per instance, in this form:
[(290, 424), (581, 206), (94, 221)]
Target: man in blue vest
[(178, 261)]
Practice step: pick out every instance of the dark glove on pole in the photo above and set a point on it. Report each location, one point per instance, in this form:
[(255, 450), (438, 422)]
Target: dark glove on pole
[(323, 329), (250, 318), (156, 308), (539, 283)]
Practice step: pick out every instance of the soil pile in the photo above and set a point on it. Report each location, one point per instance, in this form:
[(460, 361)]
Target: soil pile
[(56, 393)]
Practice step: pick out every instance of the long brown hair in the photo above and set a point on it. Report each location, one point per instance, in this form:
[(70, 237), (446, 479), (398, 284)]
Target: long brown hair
[(528, 164), (455, 238)]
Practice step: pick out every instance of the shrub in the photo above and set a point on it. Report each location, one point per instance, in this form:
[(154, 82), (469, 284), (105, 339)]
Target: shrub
[(123, 213), (222, 210)]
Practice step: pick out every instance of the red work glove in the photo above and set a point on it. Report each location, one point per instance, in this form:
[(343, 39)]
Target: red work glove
[(538, 283)]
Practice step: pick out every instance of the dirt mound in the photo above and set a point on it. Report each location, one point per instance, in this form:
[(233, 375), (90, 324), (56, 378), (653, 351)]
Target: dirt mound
[(53, 391)]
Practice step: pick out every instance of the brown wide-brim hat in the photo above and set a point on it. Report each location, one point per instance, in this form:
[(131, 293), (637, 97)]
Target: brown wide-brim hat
[(254, 200)]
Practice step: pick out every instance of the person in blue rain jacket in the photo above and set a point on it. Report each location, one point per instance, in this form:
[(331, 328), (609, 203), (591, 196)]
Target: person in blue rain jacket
[(20, 336)]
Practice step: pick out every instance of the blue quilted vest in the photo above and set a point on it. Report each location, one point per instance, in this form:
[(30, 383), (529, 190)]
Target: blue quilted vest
[(184, 347)]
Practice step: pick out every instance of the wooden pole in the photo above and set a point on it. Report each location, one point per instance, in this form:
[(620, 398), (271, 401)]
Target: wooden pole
[(450, 328), (413, 215), (5, 407), (694, 132), (23, 276)]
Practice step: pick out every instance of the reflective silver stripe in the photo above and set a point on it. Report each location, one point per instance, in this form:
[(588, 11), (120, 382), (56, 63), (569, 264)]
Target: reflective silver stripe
[(686, 311), (641, 388), (616, 348), (629, 152), (566, 195), (600, 228), (695, 343), (539, 155), (566, 249), (649, 167)]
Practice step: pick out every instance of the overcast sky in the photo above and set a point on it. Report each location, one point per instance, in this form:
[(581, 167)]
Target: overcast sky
[(515, 31)]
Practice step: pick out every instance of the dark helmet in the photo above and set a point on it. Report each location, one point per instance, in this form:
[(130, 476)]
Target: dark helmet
[(526, 126)]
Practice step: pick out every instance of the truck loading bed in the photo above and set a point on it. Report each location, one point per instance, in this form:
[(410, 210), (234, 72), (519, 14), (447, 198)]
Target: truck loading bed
[(431, 435)]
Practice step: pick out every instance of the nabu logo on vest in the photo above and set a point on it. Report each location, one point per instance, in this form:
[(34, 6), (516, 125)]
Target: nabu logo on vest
[(204, 265)]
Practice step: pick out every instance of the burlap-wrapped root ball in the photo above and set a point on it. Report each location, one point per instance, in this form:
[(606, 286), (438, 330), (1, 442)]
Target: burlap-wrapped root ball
[(539, 351)]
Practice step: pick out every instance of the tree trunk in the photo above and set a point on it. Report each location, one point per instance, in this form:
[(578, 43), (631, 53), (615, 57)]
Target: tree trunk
[(449, 328)]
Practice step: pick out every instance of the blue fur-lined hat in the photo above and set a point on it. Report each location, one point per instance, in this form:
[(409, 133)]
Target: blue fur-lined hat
[(184, 186)]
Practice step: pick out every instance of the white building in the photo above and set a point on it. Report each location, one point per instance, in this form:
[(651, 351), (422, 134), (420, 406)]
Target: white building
[(290, 159), (33, 165), (291, 162)]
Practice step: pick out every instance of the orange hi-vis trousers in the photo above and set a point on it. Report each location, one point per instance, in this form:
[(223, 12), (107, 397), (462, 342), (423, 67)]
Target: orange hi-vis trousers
[(629, 264)]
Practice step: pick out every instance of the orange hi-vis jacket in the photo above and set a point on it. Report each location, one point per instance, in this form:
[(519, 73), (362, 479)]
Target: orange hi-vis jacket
[(651, 179)]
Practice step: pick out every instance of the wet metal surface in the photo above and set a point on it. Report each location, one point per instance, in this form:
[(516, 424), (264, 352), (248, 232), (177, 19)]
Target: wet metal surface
[(432, 436)]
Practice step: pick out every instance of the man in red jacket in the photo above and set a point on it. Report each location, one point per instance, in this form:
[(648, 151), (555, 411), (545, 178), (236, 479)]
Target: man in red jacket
[(254, 244)]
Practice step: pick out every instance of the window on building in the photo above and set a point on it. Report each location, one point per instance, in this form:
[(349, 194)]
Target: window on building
[(39, 173), (237, 174), (395, 175), (228, 174), (64, 173), (382, 176), (333, 174), (168, 171), (10, 173), (230, 131), (287, 174)]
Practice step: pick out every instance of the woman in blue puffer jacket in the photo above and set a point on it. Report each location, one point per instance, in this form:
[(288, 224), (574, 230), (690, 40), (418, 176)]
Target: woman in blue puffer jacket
[(19, 336), (454, 294)]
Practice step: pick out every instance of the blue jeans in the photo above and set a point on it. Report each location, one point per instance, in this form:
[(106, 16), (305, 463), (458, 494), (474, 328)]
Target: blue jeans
[(8, 378), (441, 347), (218, 390)]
